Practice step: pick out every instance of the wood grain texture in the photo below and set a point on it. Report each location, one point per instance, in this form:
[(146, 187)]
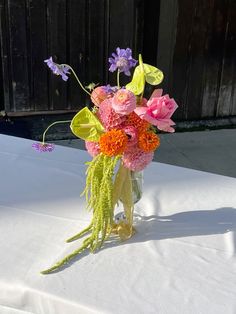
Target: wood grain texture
[(57, 48), (182, 56), (226, 104), (76, 50), (213, 58), (37, 38), (192, 41), (18, 61)]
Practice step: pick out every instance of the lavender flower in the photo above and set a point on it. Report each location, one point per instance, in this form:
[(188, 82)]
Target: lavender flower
[(58, 69), (42, 147), (110, 89), (122, 61)]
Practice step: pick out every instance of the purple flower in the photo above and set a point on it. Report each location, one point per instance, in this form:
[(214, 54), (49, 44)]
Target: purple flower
[(42, 147), (122, 61), (110, 89), (58, 69)]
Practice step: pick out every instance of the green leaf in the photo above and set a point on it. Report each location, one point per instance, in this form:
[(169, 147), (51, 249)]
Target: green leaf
[(86, 125), (153, 75), (144, 72), (137, 84)]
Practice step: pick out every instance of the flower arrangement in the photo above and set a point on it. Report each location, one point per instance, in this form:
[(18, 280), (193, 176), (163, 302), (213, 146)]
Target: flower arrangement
[(119, 133)]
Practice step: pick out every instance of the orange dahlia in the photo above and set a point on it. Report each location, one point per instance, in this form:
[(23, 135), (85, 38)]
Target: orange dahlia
[(148, 141), (113, 142), (140, 124)]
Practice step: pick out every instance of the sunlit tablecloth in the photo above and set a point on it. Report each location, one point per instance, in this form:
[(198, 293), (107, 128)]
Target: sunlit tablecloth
[(181, 260)]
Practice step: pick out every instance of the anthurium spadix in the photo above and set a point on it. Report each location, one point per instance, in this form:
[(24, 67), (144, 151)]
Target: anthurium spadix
[(144, 73), (86, 125)]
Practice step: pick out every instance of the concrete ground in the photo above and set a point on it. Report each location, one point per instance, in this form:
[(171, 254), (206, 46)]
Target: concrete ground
[(211, 151)]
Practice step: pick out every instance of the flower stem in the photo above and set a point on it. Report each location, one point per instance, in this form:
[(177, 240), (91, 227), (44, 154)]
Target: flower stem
[(57, 122), (77, 79), (118, 78)]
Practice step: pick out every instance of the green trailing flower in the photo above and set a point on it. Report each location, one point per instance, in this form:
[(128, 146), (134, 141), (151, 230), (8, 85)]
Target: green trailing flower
[(99, 196)]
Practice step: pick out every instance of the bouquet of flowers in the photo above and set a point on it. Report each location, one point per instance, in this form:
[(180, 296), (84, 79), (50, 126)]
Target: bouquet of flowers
[(120, 134)]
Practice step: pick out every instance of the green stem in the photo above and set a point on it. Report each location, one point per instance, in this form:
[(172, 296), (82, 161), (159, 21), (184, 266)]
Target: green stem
[(118, 78), (57, 122), (76, 77), (80, 234), (87, 242)]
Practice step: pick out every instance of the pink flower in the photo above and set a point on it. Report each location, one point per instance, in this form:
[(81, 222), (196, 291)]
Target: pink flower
[(108, 117), (92, 148), (99, 94), (137, 160), (124, 102), (158, 112)]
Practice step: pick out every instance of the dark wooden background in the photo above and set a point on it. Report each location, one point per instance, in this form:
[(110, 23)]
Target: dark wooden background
[(192, 41)]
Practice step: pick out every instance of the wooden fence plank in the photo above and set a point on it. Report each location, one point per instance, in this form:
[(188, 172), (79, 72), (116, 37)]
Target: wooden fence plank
[(232, 40), (19, 55), (166, 41), (214, 55), (38, 53), (182, 56), (225, 105), (76, 40), (197, 45), (57, 48), (150, 30), (95, 53), (121, 30), (4, 48)]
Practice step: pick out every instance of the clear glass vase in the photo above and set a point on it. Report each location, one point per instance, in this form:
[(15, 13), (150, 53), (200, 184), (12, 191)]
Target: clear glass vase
[(137, 185), (133, 192)]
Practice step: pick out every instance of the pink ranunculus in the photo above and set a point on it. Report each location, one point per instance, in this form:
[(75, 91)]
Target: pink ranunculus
[(124, 102), (158, 112), (132, 135), (108, 117), (99, 94)]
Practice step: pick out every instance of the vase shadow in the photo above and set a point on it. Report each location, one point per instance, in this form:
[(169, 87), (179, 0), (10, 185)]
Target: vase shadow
[(185, 224)]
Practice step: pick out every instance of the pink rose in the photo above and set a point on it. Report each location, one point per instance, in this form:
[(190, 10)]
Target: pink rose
[(123, 102), (158, 112)]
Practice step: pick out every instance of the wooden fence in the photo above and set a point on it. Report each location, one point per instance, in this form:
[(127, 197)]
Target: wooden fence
[(192, 41)]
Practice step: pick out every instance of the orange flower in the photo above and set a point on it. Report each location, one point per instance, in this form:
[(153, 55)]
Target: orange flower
[(113, 142), (140, 124), (148, 141)]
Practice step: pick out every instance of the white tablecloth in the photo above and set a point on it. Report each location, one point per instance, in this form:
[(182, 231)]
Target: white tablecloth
[(181, 260)]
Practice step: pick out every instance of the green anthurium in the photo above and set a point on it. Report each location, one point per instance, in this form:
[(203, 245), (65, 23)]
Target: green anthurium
[(137, 84), (144, 72), (86, 125)]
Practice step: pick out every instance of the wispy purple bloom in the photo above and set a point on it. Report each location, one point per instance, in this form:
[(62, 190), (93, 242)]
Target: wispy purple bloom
[(122, 61), (58, 69), (42, 147), (110, 89)]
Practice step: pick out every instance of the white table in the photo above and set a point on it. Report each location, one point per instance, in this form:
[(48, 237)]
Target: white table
[(182, 259)]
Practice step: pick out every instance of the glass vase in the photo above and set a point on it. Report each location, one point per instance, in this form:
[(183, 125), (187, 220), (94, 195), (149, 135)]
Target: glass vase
[(132, 192)]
